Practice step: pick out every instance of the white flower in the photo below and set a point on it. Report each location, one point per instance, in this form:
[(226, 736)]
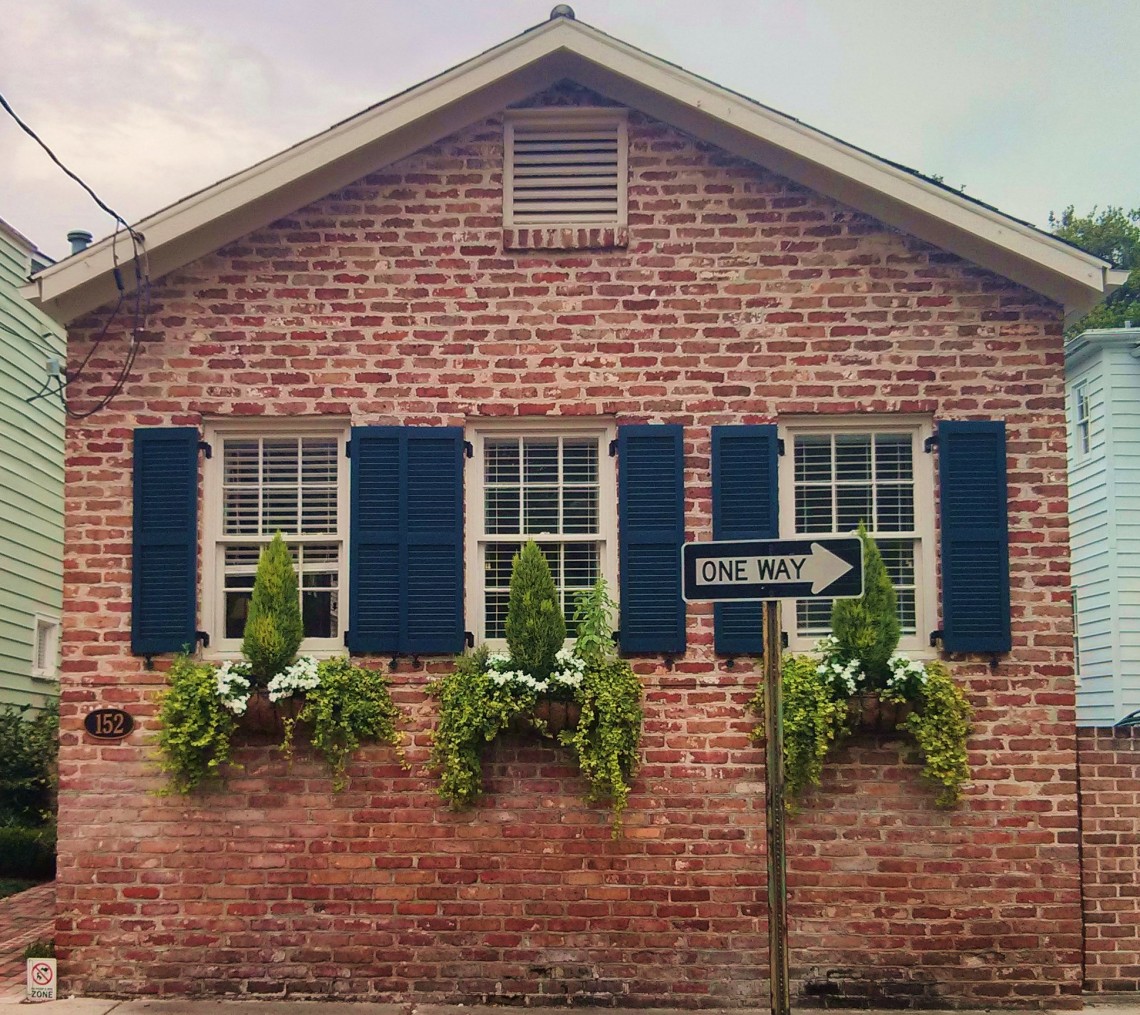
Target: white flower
[(300, 676), (232, 684)]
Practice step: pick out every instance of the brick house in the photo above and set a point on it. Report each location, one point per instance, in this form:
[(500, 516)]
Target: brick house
[(401, 310)]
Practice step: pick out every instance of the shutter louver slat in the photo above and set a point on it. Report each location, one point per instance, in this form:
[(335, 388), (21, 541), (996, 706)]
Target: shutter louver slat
[(975, 536), (406, 558), (433, 601), (651, 515), (374, 540), (745, 506), (164, 565)]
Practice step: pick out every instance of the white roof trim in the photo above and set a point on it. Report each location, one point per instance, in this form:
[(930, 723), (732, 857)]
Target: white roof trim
[(561, 48)]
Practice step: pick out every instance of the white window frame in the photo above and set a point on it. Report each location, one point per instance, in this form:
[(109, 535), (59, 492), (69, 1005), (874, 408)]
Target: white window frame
[(926, 591), (475, 539), (214, 539), (571, 117), (46, 668), (1082, 419)]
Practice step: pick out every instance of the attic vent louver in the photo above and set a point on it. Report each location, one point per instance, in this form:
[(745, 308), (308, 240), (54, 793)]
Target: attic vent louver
[(565, 167)]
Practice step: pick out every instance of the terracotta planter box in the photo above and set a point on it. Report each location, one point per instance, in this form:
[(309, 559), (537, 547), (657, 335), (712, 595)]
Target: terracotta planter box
[(265, 716), (555, 716), (871, 714)]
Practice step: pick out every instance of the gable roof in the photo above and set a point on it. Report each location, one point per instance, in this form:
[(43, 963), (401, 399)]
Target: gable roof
[(552, 51)]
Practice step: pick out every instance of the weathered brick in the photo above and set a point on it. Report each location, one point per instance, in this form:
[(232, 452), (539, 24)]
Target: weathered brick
[(737, 296)]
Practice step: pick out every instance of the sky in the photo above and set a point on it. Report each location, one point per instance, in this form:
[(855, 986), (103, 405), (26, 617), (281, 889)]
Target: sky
[(1031, 104)]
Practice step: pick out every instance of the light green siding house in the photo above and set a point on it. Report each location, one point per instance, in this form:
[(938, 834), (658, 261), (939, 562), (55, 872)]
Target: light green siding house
[(31, 485), (1102, 378)]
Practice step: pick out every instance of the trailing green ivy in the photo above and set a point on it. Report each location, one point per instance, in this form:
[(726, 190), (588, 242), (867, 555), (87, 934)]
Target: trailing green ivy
[(940, 727), (814, 719), (485, 694), (349, 705), (473, 710), (194, 740), (859, 658)]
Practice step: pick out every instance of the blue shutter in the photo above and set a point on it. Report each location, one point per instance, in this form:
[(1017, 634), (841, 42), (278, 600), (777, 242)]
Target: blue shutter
[(651, 523), (975, 536), (374, 570), (164, 563), (432, 563), (406, 540), (744, 506)]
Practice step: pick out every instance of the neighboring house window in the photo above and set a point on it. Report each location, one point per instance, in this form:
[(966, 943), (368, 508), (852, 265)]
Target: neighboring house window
[(1076, 636), (835, 474), (1082, 417), (565, 167), (552, 484), (45, 648), (260, 481)]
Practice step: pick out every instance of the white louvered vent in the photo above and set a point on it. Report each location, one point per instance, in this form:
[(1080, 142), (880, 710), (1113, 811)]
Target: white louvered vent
[(566, 167), (45, 647)]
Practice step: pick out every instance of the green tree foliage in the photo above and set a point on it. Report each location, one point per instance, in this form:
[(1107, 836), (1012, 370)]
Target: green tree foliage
[(29, 747), (535, 626), (867, 628), (1113, 234), (273, 627)]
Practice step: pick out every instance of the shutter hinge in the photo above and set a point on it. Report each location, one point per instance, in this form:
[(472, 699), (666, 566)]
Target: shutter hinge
[(935, 637), (930, 444), (347, 454), (205, 446), (783, 639), (203, 637), (346, 636), (468, 449), (469, 639), (780, 449), (613, 448)]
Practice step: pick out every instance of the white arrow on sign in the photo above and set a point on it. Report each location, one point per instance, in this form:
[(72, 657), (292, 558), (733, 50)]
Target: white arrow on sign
[(820, 566)]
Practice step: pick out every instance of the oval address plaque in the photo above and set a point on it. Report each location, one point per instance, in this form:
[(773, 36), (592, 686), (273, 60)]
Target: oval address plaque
[(108, 723)]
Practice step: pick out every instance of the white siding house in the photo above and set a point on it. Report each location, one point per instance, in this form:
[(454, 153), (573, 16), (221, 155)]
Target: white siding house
[(1103, 388)]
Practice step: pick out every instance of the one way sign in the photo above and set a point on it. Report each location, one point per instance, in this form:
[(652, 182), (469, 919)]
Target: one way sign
[(744, 570)]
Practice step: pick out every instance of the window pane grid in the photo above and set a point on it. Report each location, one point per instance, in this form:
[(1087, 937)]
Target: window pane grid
[(318, 573), (546, 488), (280, 484), (843, 478)]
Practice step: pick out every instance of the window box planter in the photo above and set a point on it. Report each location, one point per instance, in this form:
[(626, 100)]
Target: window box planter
[(549, 717), (870, 713)]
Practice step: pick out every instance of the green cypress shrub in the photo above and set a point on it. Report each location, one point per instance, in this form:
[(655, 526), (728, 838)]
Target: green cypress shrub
[(273, 626), (536, 627), (867, 628)]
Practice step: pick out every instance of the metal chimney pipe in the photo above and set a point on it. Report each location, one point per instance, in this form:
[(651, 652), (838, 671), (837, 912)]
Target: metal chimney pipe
[(79, 239)]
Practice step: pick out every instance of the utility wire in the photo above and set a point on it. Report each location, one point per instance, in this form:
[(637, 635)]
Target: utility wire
[(55, 158), (141, 293)]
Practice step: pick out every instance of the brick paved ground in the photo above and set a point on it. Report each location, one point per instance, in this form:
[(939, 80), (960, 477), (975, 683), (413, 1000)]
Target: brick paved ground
[(23, 918)]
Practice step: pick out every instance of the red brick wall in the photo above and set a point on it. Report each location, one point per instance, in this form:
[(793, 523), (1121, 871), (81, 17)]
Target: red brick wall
[(1110, 857), (740, 298)]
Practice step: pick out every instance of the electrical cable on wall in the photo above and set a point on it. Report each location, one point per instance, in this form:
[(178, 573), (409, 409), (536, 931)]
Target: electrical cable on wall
[(141, 295)]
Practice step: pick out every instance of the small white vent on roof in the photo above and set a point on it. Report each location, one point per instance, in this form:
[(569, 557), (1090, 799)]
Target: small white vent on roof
[(565, 167)]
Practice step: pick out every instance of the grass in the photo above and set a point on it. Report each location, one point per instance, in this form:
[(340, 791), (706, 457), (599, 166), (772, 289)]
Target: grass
[(10, 886)]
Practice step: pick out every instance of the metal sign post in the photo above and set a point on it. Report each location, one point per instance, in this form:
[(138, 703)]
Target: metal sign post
[(767, 571), (774, 810)]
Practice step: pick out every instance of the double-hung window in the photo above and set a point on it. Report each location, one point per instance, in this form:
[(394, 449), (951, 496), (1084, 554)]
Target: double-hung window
[(1082, 418), (261, 481), (552, 484), (834, 476)]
